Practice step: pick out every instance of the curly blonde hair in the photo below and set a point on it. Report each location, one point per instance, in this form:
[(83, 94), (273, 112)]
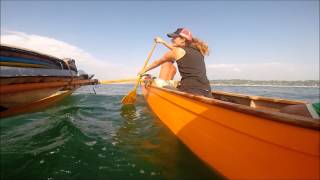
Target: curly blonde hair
[(200, 45)]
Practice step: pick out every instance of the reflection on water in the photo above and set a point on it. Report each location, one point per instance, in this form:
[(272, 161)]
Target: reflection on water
[(128, 112)]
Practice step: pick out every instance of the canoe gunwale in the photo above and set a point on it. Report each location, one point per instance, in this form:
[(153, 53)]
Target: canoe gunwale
[(13, 88), (296, 120)]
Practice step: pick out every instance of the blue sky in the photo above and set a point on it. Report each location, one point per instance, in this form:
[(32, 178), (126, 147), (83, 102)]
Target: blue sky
[(247, 39)]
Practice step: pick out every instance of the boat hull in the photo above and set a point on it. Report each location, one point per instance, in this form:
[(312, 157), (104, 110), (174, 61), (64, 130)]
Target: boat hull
[(29, 79), (238, 145), (36, 105), (14, 99), (25, 97)]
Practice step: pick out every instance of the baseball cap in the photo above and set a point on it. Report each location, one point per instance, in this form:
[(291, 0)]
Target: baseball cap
[(183, 32)]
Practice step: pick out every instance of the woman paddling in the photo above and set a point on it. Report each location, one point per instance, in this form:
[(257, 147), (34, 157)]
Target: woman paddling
[(189, 54)]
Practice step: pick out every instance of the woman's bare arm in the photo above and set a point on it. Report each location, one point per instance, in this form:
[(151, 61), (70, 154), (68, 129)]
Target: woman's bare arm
[(161, 41), (169, 46), (169, 56)]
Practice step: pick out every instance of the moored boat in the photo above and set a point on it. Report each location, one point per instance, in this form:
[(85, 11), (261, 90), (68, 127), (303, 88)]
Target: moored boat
[(27, 97), (241, 136), (30, 78)]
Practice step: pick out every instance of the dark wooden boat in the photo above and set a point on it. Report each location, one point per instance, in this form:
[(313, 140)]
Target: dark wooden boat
[(27, 78)]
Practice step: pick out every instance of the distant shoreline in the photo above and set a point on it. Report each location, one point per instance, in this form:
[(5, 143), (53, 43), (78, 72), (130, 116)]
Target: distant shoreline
[(251, 85), (266, 83), (254, 83), (246, 85)]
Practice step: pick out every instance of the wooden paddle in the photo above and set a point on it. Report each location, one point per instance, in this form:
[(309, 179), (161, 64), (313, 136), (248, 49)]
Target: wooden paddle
[(131, 97), (117, 81)]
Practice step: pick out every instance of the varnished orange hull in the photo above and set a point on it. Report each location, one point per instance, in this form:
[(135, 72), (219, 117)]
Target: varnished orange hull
[(237, 144)]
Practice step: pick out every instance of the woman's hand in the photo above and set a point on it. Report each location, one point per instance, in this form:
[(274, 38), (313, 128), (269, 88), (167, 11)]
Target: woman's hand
[(159, 40), (142, 72)]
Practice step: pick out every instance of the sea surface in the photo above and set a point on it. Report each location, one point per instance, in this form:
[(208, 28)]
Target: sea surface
[(91, 136)]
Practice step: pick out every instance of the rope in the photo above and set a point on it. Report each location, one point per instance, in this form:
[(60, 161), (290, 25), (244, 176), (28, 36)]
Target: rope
[(71, 80)]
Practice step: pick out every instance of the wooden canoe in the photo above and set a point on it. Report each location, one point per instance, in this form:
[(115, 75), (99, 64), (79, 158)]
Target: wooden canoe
[(241, 136), (29, 78)]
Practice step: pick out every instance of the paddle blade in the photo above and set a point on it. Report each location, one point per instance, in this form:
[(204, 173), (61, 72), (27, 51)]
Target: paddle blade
[(130, 98)]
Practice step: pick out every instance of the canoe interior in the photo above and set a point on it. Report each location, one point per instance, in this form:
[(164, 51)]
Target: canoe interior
[(257, 102)]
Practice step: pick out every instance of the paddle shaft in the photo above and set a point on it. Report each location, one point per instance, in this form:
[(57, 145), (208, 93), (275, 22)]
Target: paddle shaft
[(145, 64), (131, 97), (117, 81)]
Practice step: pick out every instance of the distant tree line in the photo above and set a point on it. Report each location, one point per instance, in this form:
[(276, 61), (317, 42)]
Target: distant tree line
[(265, 82)]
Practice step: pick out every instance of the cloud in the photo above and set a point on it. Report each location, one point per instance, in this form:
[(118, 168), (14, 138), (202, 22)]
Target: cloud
[(114, 69), (84, 60), (263, 71)]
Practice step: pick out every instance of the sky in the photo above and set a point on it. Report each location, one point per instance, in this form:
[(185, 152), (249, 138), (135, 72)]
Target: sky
[(254, 40)]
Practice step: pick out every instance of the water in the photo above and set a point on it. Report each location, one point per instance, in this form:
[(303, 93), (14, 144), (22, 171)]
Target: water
[(88, 136)]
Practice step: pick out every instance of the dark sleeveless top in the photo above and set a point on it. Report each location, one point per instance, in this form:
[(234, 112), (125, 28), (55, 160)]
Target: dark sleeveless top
[(193, 73)]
